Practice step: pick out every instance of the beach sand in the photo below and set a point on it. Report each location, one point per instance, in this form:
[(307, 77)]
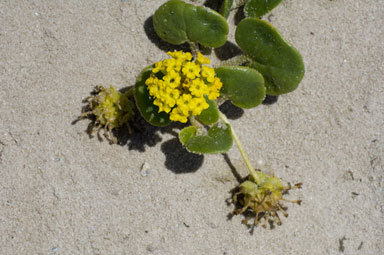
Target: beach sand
[(62, 192)]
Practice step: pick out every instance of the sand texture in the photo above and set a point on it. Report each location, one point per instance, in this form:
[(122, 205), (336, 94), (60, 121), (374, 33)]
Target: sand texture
[(62, 192)]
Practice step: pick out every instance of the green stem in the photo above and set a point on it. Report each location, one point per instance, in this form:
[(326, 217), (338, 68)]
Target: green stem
[(195, 122), (194, 49), (235, 61), (252, 171)]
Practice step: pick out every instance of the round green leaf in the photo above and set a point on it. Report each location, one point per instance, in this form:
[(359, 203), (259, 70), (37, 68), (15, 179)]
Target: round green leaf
[(144, 101), (258, 8), (177, 22), (278, 61), (205, 26), (225, 8), (211, 114), (169, 24), (244, 86), (218, 139)]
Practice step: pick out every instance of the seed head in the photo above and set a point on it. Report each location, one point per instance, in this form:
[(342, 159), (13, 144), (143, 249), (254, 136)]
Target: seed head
[(262, 198), (111, 109)]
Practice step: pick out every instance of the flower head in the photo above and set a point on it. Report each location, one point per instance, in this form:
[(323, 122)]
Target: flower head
[(179, 85), (263, 198), (111, 108)]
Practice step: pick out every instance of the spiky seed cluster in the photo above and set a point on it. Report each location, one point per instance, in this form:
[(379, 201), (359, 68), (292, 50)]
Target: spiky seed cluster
[(180, 85), (111, 108), (263, 199)]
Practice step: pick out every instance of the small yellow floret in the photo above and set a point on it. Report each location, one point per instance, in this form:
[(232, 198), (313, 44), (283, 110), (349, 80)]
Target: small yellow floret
[(177, 115), (198, 105), (198, 88), (158, 67), (201, 59), (208, 73), (171, 65), (214, 89), (191, 70), (183, 103), (172, 79), (180, 55)]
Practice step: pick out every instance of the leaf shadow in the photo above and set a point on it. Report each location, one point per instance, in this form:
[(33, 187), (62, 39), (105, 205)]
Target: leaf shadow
[(233, 168), (178, 159), (239, 15), (231, 111), (227, 51), (269, 100), (213, 4), (143, 135)]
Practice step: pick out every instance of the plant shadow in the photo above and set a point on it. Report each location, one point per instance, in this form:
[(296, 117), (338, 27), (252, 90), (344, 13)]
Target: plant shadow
[(239, 15), (143, 135), (231, 111), (248, 215), (178, 159), (213, 4), (227, 51), (269, 100)]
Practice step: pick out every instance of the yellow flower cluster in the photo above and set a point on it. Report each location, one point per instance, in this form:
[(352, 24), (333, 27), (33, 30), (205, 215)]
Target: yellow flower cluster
[(181, 85)]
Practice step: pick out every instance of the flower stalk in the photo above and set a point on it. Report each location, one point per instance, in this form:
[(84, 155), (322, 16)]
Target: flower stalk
[(251, 170), (261, 194)]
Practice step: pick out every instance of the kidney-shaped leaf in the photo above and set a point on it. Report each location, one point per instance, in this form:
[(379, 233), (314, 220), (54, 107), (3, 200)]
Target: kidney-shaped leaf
[(144, 102), (169, 24), (211, 114), (244, 86), (177, 22), (258, 8), (218, 139), (278, 61), (205, 26)]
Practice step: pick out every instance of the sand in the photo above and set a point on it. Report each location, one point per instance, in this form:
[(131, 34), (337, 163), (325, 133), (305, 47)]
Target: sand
[(64, 193)]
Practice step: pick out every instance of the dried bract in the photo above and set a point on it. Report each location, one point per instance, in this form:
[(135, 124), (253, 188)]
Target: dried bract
[(262, 198)]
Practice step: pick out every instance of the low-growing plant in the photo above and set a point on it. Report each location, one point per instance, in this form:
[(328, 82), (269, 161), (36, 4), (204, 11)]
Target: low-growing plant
[(185, 88)]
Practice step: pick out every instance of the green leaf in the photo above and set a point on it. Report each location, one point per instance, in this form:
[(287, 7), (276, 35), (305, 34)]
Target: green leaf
[(218, 140), (277, 60), (144, 101), (244, 86), (177, 22), (205, 26), (225, 8), (211, 114), (169, 23), (258, 8), (187, 134)]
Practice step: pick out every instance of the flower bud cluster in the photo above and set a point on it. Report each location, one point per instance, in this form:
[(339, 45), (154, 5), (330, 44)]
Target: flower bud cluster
[(180, 85)]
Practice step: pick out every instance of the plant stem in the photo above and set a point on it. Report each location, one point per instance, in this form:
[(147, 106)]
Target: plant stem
[(235, 61), (194, 49), (251, 170), (194, 122)]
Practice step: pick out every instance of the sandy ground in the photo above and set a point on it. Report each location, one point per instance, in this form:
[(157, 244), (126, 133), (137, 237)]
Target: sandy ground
[(64, 193)]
